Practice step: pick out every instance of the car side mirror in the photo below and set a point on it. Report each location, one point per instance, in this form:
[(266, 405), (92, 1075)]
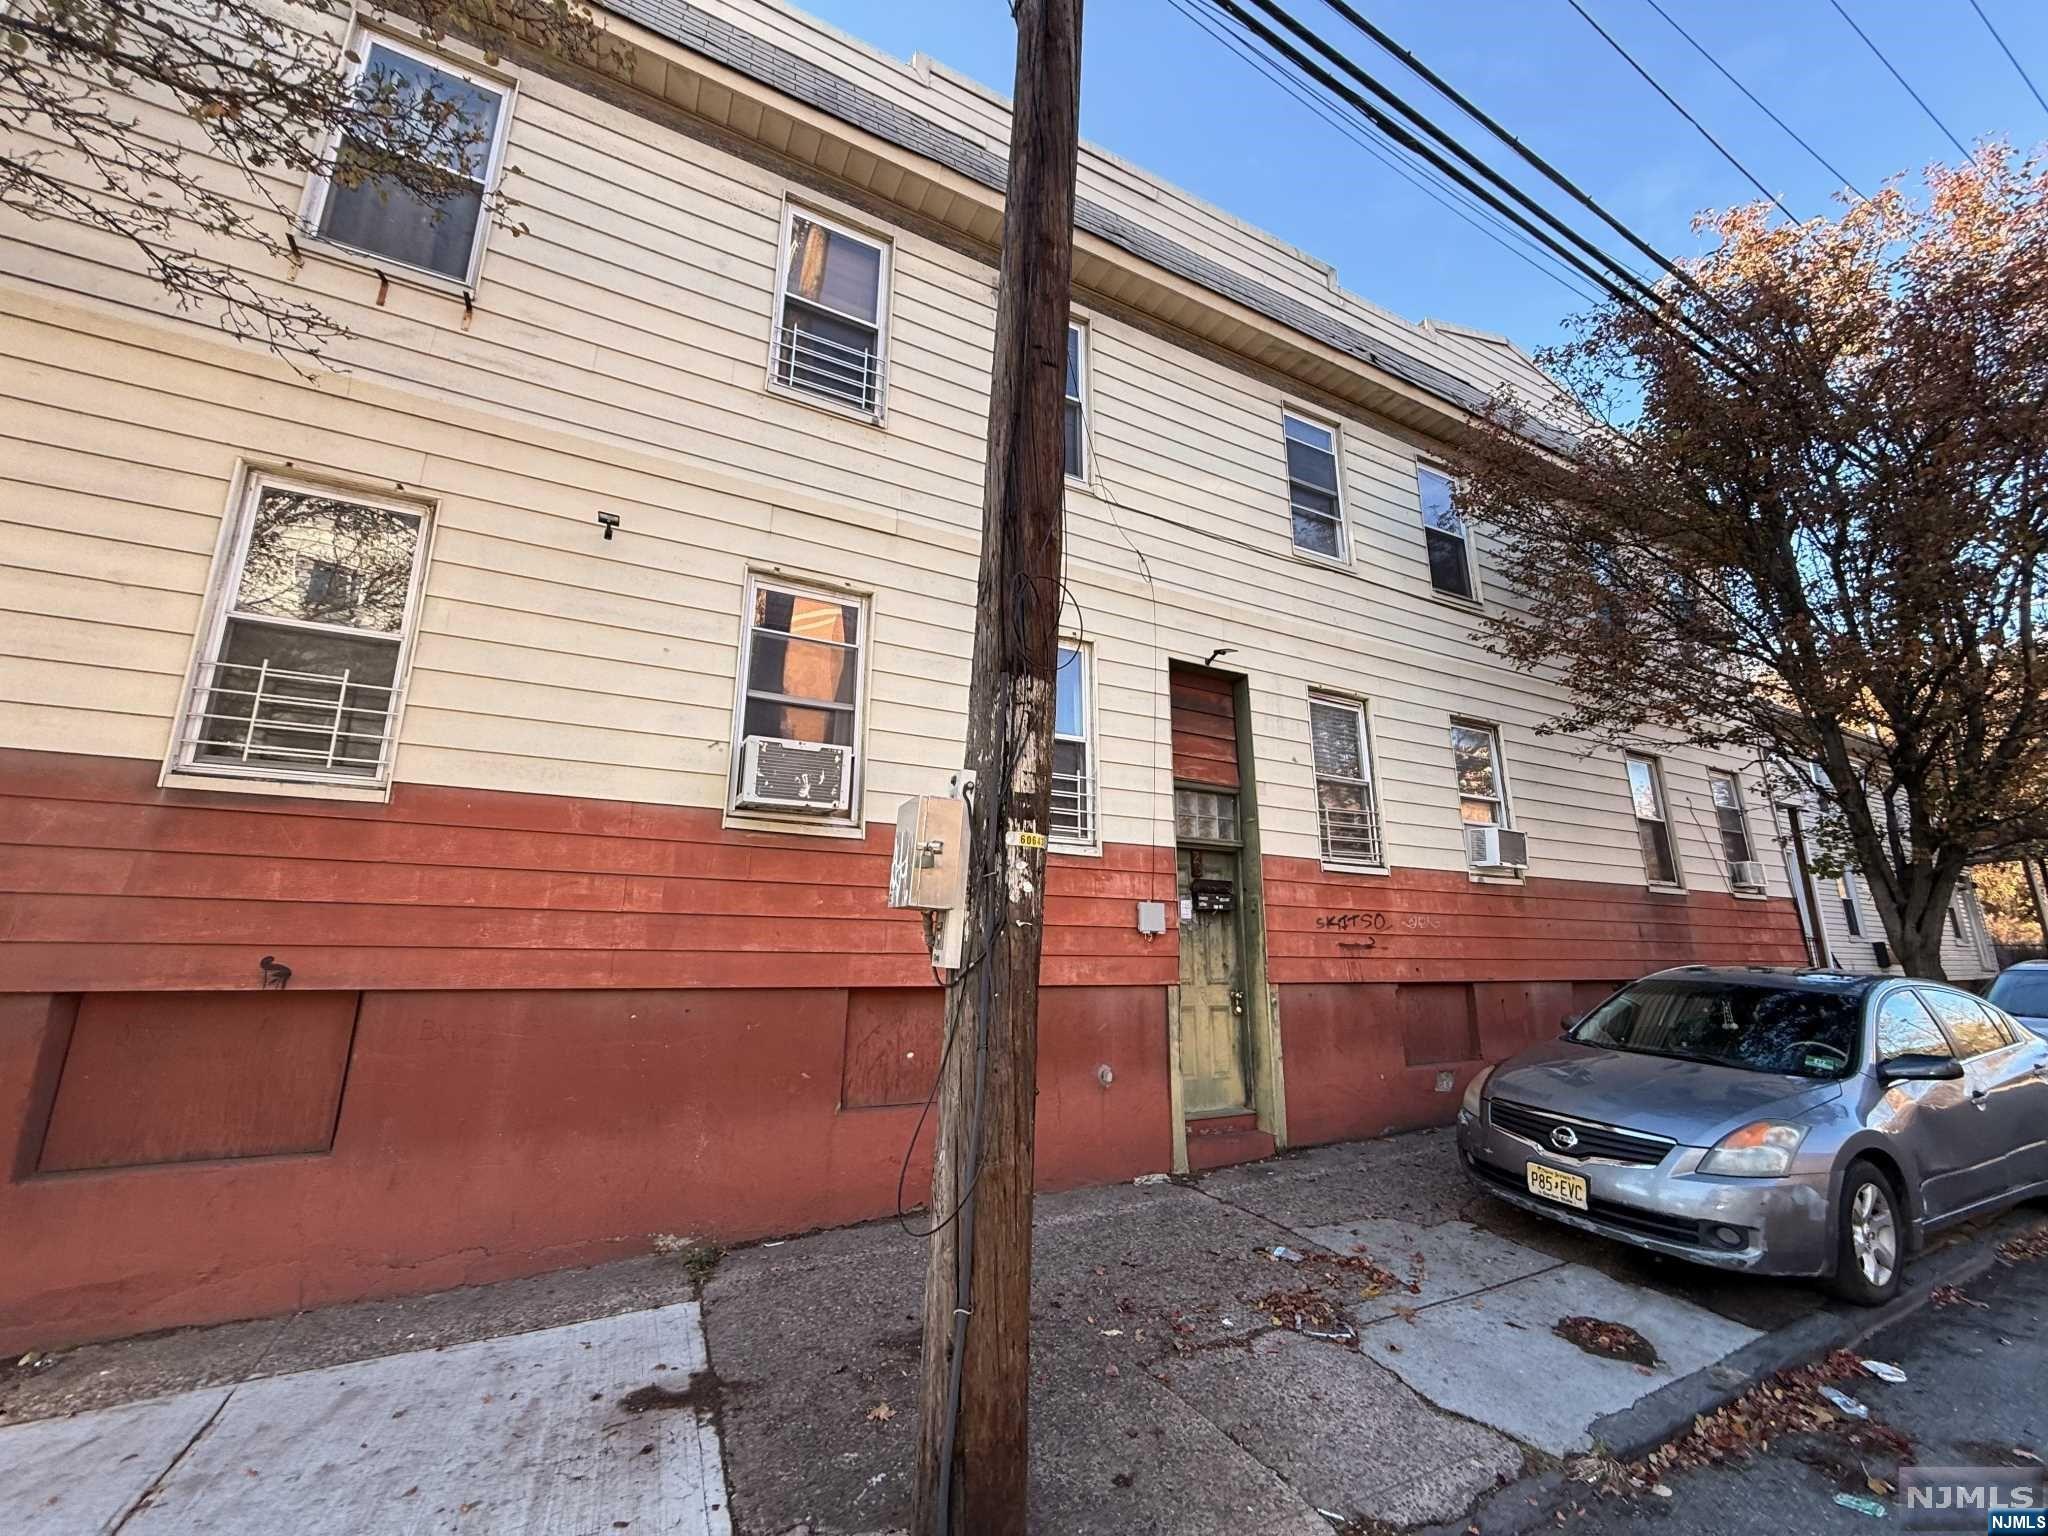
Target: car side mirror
[(1570, 1022), (1916, 1068)]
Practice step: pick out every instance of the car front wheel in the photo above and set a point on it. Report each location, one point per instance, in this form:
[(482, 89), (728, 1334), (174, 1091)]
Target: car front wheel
[(1870, 1247)]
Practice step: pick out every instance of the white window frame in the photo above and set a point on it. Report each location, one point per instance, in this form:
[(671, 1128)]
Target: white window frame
[(182, 762), (1500, 796), (313, 204), (885, 276), (1290, 412), (1734, 782), (1361, 710), (1064, 842), (1663, 794), (852, 821), (1078, 329), (1477, 599)]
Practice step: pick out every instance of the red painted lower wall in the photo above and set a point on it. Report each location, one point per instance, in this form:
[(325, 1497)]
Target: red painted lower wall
[(483, 1134), (522, 1031)]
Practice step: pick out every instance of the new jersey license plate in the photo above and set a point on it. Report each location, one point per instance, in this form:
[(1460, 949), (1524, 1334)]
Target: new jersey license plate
[(1555, 1184)]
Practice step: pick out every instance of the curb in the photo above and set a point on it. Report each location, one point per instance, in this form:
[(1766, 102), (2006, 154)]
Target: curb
[(1667, 1412)]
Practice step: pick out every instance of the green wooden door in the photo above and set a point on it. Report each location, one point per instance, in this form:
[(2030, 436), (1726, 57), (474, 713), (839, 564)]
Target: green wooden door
[(1214, 1079)]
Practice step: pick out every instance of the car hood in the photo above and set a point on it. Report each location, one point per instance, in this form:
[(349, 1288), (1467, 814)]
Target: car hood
[(1692, 1103)]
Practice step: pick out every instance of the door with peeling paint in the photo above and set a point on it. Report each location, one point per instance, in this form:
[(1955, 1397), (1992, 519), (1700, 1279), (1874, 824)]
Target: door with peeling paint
[(1214, 1076)]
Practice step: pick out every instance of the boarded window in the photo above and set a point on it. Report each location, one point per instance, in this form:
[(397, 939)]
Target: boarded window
[(176, 1077)]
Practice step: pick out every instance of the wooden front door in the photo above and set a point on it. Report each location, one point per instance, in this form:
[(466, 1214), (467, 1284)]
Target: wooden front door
[(1214, 1076)]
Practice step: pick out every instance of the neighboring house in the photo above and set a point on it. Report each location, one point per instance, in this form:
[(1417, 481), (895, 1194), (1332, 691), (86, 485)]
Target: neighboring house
[(1838, 918), (447, 803)]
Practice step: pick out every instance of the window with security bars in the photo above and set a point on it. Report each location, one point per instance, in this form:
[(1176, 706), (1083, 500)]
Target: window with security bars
[(1730, 818), (300, 676), (1653, 826), (1312, 493), (1073, 758), (1077, 403), (830, 314), (1449, 540), (1475, 756), (1346, 810)]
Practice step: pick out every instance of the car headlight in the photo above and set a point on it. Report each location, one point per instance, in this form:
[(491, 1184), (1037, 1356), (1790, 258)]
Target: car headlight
[(1762, 1149), (1469, 1110)]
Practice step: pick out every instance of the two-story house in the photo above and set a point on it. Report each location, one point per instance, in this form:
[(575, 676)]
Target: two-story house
[(445, 799)]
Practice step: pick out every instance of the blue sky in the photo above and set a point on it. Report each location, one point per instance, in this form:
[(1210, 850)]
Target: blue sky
[(1165, 95)]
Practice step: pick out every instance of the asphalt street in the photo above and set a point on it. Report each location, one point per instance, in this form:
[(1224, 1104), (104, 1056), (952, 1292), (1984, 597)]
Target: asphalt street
[(1975, 1395)]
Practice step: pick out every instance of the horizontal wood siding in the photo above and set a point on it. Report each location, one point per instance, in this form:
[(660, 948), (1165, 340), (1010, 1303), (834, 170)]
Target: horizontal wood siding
[(108, 883), (1204, 729), (1420, 925)]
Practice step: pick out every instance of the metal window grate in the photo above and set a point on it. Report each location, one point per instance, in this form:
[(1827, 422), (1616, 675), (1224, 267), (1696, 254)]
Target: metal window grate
[(820, 366), (260, 716), (1073, 808), (1351, 834)]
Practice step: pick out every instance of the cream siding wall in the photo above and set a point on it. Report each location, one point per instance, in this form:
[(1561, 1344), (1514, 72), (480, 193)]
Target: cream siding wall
[(616, 361), (1964, 957)]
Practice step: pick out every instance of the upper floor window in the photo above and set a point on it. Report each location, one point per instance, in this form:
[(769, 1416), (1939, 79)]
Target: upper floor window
[(1073, 760), (1077, 402), (1449, 540), (800, 699), (429, 212), (1475, 753), (1653, 826), (830, 313), (1346, 811), (314, 607), (1312, 488)]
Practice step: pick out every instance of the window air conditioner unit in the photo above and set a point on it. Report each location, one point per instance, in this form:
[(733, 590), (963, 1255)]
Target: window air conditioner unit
[(779, 775), (1746, 874), (1496, 848)]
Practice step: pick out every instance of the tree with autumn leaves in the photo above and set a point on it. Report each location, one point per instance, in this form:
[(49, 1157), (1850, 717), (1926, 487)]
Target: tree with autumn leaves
[(1804, 515)]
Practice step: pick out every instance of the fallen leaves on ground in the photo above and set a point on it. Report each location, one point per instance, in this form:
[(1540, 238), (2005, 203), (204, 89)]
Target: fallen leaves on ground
[(881, 1413), (1943, 1296), (2029, 1245), (1612, 1341), (1300, 1307), (1787, 1403)]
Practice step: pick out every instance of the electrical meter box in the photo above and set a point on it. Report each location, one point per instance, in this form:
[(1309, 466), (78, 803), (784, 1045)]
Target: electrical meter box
[(929, 870)]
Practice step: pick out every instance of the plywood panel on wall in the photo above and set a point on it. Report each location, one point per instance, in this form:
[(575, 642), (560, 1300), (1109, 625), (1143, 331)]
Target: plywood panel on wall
[(180, 1077)]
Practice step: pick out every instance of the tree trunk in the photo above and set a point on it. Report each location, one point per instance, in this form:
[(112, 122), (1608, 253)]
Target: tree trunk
[(1913, 904)]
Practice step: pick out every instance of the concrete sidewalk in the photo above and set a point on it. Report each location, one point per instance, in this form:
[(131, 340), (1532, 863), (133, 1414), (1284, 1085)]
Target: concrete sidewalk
[(1184, 1378), (1165, 1395)]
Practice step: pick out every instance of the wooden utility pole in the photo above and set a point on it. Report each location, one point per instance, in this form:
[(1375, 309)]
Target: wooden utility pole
[(973, 1453)]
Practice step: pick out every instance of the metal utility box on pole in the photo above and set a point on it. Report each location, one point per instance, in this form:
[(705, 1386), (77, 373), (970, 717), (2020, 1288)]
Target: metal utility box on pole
[(974, 1442)]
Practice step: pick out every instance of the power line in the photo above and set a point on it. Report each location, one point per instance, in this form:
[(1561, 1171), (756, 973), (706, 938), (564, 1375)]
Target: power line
[(1887, 63), (1790, 132), (1464, 155), (1550, 172), (1444, 195), (1679, 108), (2007, 51), (1648, 302)]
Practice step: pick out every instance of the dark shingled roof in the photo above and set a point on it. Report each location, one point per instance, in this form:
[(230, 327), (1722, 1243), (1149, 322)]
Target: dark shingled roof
[(806, 82)]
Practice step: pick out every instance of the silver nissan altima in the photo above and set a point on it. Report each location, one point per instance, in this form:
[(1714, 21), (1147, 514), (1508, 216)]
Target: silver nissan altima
[(1784, 1122)]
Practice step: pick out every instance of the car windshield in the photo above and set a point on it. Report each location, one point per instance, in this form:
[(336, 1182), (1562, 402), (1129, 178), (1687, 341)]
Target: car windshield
[(2021, 992), (1793, 1031)]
